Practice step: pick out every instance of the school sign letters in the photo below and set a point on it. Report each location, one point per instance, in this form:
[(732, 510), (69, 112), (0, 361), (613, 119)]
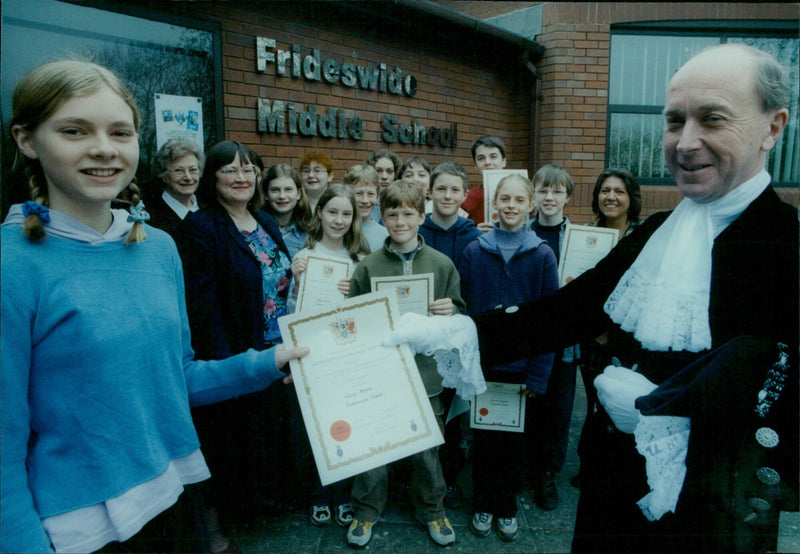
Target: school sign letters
[(280, 117)]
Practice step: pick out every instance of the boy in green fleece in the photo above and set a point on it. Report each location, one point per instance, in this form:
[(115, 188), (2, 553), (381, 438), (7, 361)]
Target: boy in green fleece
[(403, 211)]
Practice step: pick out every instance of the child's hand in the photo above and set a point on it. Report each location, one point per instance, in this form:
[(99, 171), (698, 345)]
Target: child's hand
[(284, 354), (299, 266), (344, 286), (485, 227), (527, 393), (442, 306)]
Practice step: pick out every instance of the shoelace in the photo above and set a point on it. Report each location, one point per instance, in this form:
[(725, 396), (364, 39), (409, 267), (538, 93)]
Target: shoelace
[(364, 525), (441, 523)]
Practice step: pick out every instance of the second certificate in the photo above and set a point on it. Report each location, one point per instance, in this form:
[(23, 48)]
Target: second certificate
[(414, 293), (318, 284)]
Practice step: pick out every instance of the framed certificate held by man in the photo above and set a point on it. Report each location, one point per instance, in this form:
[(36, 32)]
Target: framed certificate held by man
[(363, 403), (583, 247)]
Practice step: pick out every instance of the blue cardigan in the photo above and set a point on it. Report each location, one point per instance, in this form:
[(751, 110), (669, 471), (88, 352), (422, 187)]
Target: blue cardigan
[(223, 282), (488, 282), (97, 375)]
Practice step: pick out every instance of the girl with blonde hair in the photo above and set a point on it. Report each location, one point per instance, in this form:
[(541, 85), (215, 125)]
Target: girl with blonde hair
[(98, 370)]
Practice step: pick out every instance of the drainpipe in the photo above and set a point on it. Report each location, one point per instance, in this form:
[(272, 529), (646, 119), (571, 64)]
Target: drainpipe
[(534, 110)]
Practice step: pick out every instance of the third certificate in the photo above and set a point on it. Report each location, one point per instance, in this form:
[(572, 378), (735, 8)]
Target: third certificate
[(500, 408)]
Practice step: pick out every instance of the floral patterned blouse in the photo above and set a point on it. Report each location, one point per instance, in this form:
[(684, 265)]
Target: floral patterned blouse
[(275, 275)]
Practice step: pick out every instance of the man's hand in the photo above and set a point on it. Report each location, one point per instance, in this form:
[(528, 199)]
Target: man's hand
[(617, 389)]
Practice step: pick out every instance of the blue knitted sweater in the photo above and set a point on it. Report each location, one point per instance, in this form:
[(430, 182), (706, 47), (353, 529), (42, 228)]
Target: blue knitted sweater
[(98, 375), (489, 281)]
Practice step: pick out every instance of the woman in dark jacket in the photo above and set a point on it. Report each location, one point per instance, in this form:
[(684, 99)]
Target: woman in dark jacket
[(237, 269)]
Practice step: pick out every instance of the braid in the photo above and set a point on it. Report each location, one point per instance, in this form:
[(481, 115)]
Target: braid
[(133, 195), (32, 226)]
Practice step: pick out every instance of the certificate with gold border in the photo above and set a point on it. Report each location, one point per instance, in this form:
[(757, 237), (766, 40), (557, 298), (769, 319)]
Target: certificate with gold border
[(413, 293), (500, 408), (582, 248), (318, 284), (364, 404)]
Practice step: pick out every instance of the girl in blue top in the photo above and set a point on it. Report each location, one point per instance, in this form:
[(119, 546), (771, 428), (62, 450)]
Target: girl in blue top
[(503, 268), (98, 370)]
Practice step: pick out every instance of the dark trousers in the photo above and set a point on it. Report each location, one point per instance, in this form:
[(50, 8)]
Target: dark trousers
[(451, 454), (547, 422), (497, 461)]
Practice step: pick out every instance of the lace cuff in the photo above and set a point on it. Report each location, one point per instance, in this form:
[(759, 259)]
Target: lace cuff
[(453, 343), (664, 442), (460, 366)]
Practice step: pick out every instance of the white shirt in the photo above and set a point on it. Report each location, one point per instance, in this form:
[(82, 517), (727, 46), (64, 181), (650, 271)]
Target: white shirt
[(177, 207)]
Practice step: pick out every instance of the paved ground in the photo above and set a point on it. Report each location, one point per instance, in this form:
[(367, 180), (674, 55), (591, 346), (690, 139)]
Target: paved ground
[(398, 532)]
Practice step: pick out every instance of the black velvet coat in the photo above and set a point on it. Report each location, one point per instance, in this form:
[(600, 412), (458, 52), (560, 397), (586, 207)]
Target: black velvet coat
[(754, 304)]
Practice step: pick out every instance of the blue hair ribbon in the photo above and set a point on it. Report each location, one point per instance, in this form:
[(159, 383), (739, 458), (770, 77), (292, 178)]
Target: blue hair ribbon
[(31, 207), (138, 215)]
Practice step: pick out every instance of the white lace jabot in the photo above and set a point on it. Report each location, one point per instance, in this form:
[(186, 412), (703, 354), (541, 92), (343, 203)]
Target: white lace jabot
[(663, 297)]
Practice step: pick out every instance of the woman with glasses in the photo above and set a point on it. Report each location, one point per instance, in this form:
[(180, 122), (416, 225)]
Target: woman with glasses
[(316, 173), (180, 162), (237, 271)]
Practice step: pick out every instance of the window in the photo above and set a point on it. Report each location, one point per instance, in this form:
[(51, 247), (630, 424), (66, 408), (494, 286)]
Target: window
[(641, 64), (150, 56)]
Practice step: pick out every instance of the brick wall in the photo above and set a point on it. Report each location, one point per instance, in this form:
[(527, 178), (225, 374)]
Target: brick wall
[(482, 90), (462, 79), (576, 37)]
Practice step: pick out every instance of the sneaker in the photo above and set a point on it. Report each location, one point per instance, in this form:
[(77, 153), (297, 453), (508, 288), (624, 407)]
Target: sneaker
[(507, 528), (440, 531), (359, 533), (452, 497), (344, 514), (320, 515), (545, 493), (481, 524)]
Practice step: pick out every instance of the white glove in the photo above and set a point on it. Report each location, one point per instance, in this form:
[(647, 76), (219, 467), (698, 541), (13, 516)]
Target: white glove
[(423, 334), (617, 389), (452, 340)]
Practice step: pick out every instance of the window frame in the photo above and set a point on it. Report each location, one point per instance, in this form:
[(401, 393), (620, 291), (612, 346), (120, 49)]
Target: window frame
[(212, 27)]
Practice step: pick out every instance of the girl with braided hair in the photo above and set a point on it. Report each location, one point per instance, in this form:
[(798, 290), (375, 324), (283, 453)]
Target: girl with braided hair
[(98, 370)]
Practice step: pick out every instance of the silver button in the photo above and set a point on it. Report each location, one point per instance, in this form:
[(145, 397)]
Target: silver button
[(768, 476), (759, 504), (512, 309), (767, 437)]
